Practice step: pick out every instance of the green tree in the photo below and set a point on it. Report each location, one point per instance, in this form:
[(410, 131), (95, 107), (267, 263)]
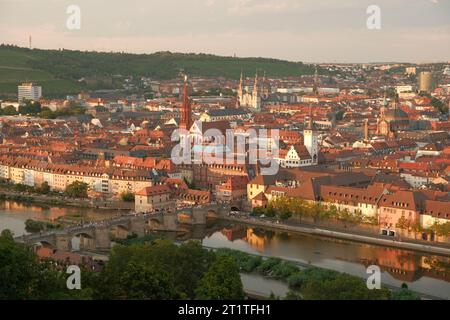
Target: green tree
[(439, 105), (30, 107), (44, 188), (23, 276), (283, 208), (342, 287), (404, 294), (192, 262), (293, 295), (403, 223), (297, 207), (258, 211), (9, 111), (222, 281), (18, 269), (138, 272), (127, 197), (46, 113), (77, 189), (271, 212)]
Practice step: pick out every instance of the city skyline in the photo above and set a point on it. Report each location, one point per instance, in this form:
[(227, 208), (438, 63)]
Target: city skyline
[(325, 32)]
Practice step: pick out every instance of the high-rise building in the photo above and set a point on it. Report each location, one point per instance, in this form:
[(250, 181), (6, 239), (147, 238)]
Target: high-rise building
[(426, 82), (410, 70), (446, 71), (29, 91)]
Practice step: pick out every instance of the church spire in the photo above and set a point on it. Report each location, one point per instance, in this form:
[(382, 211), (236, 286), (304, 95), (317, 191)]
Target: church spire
[(310, 120), (316, 82), (385, 96), (186, 117), (240, 91), (366, 130), (241, 83), (396, 101)]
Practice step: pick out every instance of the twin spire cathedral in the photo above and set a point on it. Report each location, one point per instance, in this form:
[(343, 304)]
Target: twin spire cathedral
[(255, 98)]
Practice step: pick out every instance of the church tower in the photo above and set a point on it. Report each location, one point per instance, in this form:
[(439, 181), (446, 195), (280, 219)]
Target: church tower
[(366, 130), (265, 87), (240, 91), (256, 97), (316, 83), (310, 139), (186, 119)]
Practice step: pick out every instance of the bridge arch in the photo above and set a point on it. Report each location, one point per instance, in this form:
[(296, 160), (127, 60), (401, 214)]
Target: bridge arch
[(155, 223), (120, 231), (43, 243), (81, 241)]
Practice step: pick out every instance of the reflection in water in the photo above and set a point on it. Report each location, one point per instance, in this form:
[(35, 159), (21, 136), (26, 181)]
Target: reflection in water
[(428, 274), (255, 283), (13, 215)]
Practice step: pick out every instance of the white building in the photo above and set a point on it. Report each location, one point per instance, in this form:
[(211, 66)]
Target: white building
[(310, 140), (29, 91), (302, 156)]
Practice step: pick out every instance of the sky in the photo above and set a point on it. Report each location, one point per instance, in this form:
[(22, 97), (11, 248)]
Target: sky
[(297, 30)]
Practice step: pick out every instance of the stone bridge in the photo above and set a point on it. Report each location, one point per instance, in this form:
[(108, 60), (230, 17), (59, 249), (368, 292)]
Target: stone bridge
[(98, 235)]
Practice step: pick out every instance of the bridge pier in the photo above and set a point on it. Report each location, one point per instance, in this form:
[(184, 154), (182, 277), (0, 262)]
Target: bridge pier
[(170, 222), (101, 237), (199, 216), (63, 242), (137, 226)]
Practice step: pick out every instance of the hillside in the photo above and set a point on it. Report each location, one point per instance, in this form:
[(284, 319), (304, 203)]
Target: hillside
[(58, 70)]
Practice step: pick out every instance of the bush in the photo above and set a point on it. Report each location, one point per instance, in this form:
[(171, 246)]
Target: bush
[(404, 294), (77, 189), (127, 197), (296, 280), (268, 265), (284, 270)]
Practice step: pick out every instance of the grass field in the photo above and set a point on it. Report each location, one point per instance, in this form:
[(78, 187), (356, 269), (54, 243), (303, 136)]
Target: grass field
[(16, 67)]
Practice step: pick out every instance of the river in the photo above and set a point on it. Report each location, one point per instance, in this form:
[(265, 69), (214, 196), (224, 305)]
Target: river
[(427, 274)]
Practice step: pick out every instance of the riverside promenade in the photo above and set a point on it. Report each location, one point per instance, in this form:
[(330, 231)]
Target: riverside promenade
[(409, 244)]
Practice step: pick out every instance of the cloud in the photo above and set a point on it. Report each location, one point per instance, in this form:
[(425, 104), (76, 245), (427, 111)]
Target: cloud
[(308, 30)]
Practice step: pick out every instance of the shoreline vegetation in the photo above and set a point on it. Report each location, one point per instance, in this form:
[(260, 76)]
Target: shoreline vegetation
[(303, 281), (314, 283), (161, 269), (314, 230), (75, 196), (38, 225)]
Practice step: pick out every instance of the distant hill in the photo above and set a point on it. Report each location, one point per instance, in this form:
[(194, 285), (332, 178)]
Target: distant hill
[(58, 71)]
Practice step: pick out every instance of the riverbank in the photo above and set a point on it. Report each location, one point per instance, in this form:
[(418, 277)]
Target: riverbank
[(60, 200), (328, 232)]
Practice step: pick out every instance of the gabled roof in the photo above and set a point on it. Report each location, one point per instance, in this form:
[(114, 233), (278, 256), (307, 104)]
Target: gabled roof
[(154, 191)]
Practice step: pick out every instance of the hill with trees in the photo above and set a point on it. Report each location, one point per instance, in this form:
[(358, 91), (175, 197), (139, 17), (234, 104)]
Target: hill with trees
[(59, 71)]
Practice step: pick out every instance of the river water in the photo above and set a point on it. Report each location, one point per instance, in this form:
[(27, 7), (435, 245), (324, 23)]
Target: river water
[(427, 274)]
